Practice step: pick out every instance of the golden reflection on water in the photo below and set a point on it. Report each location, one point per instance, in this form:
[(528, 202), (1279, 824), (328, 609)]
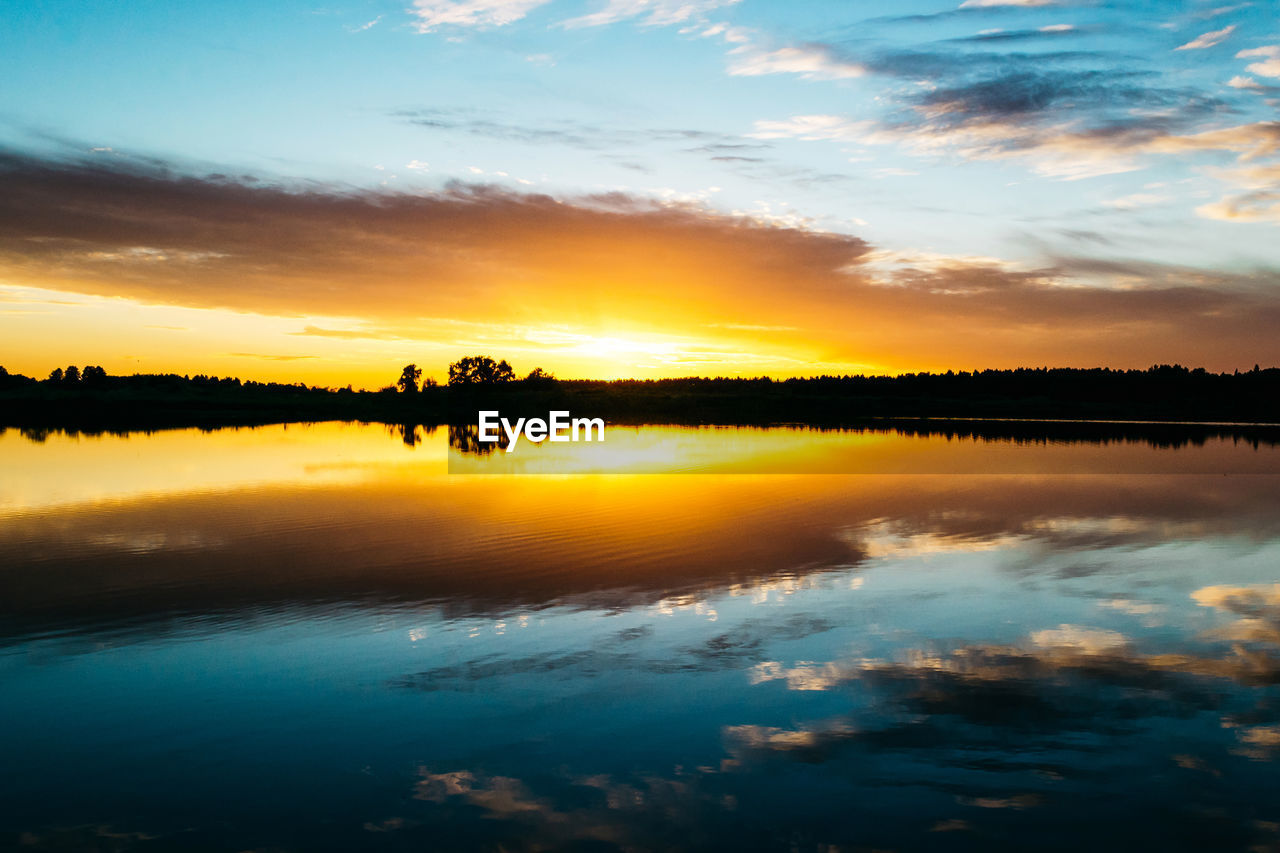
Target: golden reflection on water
[(1026, 644), (77, 468), (68, 469), (324, 511), (333, 510), (880, 449)]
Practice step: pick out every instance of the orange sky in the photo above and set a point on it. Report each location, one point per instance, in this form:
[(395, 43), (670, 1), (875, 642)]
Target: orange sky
[(142, 271)]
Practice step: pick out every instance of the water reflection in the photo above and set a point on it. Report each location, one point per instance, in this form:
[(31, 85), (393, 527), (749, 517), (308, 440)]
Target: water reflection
[(332, 645), (887, 447), (465, 438)]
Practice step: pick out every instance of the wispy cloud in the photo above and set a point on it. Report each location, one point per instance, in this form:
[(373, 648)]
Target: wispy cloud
[(1137, 200), (481, 14), (552, 131), (1040, 33), (1225, 10), (1270, 56), (985, 4), (1251, 207), (651, 13), (1209, 39), (811, 62), (1054, 151), (366, 26), (350, 334), (270, 356)]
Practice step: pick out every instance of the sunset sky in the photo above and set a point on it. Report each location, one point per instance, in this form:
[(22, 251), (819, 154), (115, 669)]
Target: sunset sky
[(325, 191)]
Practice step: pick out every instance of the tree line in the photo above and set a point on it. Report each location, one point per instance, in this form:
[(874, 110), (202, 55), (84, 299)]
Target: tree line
[(474, 371), (1160, 392)]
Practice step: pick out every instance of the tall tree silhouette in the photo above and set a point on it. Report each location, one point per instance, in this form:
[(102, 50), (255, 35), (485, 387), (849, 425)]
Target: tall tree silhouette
[(408, 381), (480, 370)]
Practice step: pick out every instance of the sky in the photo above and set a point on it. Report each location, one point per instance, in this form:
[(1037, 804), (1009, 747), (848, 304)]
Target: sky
[(323, 192)]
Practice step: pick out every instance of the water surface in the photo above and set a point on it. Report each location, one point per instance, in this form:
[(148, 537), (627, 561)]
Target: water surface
[(314, 637)]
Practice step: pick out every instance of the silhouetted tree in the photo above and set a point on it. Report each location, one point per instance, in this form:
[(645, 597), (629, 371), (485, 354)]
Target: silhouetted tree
[(408, 434), (55, 376), (480, 370), (429, 382), (466, 439), (93, 375), (408, 381), (71, 375), (539, 378)]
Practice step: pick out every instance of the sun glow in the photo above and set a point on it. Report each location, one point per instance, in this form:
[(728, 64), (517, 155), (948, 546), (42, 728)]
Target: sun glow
[(128, 336)]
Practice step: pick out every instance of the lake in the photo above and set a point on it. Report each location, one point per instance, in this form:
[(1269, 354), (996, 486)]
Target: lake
[(349, 636)]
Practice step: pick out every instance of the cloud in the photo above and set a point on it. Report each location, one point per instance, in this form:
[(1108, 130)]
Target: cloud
[(1064, 114), (1257, 607), (986, 4), (655, 13), (1050, 31), (505, 260), (481, 14), (620, 146), (1225, 10), (1080, 640), (1253, 175), (811, 62), (349, 334), (811, 127), (574, 134), (1254, 600), (1137, 200), (1087, 93), (365, 26), (1209, 39), (1262, 206), (1270, 64), (461, 252), (269, 356), (1239, 82), (1044, 694), (1056, 151)]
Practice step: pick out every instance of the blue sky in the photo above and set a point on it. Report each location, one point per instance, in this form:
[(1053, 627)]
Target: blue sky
[(1098, 140)]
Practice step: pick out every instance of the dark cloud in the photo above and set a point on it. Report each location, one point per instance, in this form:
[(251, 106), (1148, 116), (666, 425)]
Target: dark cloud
[(1089, 94), (1093, 89), (482, 254), (213, 242), (937, 64)]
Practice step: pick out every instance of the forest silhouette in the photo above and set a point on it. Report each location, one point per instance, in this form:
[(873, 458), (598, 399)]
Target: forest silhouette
[(89, 397)]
